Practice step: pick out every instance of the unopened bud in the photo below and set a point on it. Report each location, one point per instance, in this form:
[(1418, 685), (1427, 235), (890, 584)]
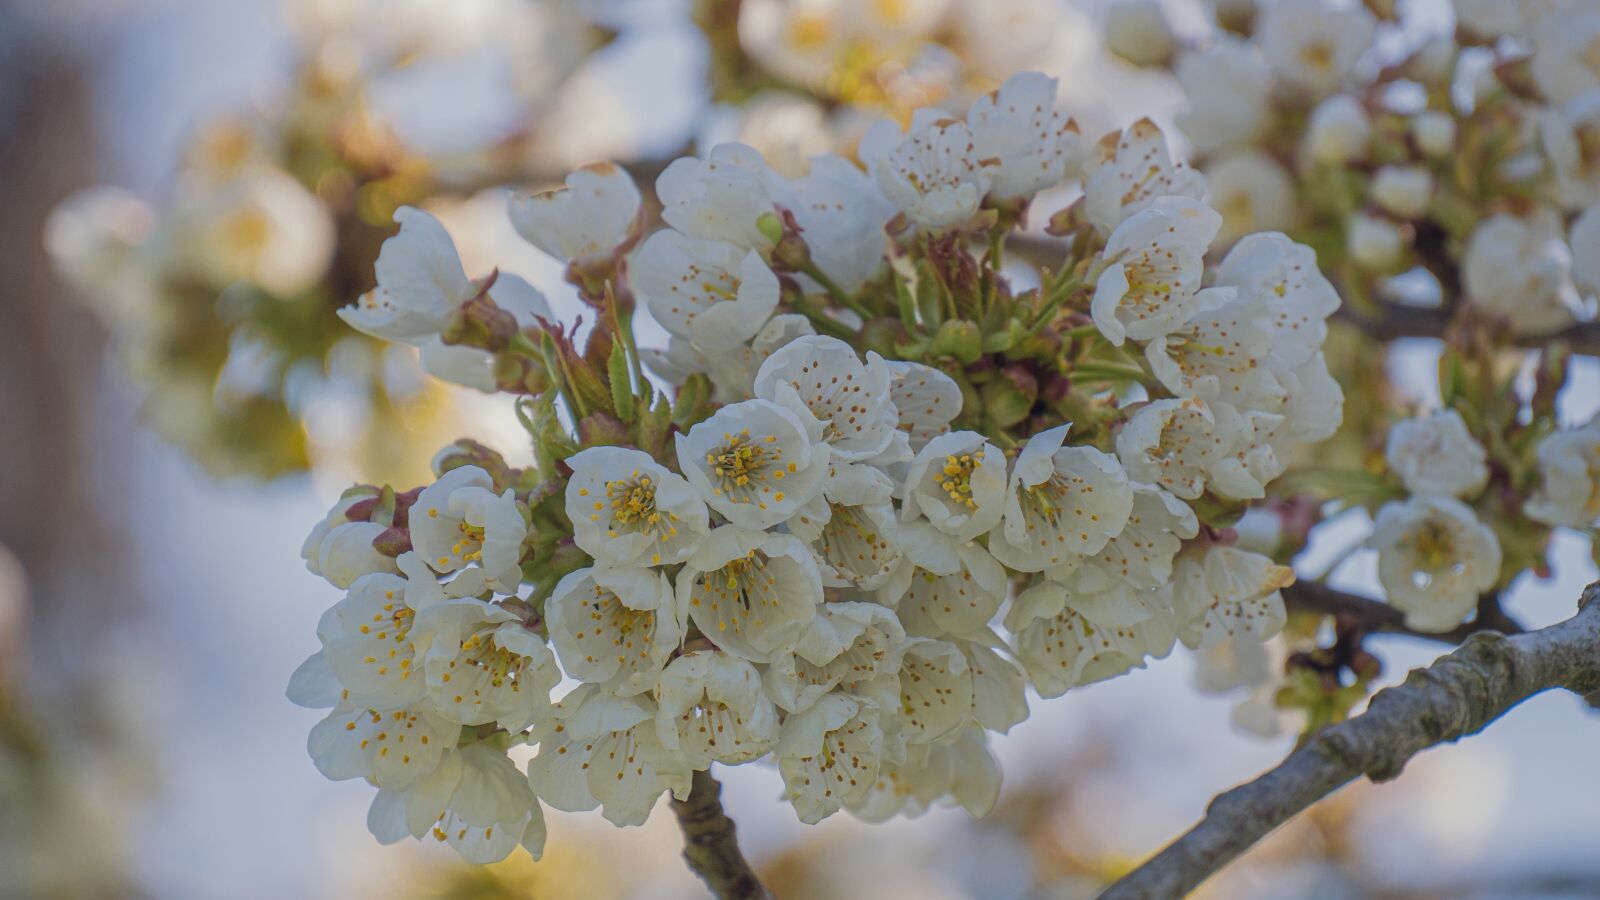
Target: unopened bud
[(770, 226), (1403, 190), (1008, 397), (1434, 132), (959, 339)]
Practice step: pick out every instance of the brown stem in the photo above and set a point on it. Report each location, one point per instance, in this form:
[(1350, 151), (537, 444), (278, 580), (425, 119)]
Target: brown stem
[(1457, 696), (710, 846), (1397, 320), (1374, 617)]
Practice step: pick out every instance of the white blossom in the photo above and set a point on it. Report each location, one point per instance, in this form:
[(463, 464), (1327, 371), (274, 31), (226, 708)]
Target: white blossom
[(851, 645), (1226, 592), (603, 750), (483, 664), (1154, 262), (1229, 89), (1177, 444), (1339, 131), (420, 283), (1142, 552), (585, 220), (753, 462), (1434, 559), (459, 520), (944, 587), (1435, 454), (1564, 63), (1219, 355), (963, 770), (628, 510), (367, 643), (824, 378), (476, 801), (927, 401), (841, 215), (1569, 478), (712, 709), (1521, 269), (934, 174), (935, 691), (1405, 191), (718, 198), (753, 594), (715, 294), (1138, 31), (393, 749), (1435, 132), (829, 756), (1128, 172), (1284, 276), (1032, 146), (615, 627), (1569, 134), (261, 226), (1061, 503), (957, 482), (340, 550), (1314, 45), (851, 528), (1094, 627), (1374, 241), (1253, 192)]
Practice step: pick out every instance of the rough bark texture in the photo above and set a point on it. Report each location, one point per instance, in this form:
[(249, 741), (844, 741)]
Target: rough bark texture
[(1458, 695), (710, 845)]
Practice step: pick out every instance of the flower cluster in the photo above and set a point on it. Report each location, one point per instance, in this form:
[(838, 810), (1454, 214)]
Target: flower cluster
[(1458, 159), (224, 293), (897, 478)]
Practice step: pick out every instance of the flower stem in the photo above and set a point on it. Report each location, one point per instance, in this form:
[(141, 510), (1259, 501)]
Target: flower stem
[(836, 292)]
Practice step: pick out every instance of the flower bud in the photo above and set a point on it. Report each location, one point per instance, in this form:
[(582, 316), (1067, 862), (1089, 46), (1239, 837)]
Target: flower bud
[(1434, 132), (791, 254), (1339, 130), (1008, 397), (602, 429), (466, 452), (1137, 31), (1236, 15), (480, 323), (1403, 190), (770, 226), (960, 339), (1374, 242)]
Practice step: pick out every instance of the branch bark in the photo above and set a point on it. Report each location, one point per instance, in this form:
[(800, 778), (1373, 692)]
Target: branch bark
[(710, 846), (1459, 695), (1398, 320)]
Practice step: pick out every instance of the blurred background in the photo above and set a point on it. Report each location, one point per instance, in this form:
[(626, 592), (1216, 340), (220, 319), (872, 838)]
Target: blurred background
[(152, 598)]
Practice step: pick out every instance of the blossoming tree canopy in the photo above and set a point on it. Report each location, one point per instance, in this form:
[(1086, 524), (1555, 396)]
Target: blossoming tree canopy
[(883, 477)]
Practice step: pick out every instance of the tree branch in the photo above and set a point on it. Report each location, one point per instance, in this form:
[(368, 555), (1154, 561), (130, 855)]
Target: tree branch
[(1458, 695), (1399, 320), (1376, 617), (710, 845)]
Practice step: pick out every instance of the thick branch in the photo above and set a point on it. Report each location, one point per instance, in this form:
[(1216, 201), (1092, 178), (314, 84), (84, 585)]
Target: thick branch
[(710, 846), (1398, 320), (1458, 695), (1374, 616)]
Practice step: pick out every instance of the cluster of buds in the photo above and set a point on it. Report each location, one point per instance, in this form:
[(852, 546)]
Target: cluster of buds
[(884, 480)]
